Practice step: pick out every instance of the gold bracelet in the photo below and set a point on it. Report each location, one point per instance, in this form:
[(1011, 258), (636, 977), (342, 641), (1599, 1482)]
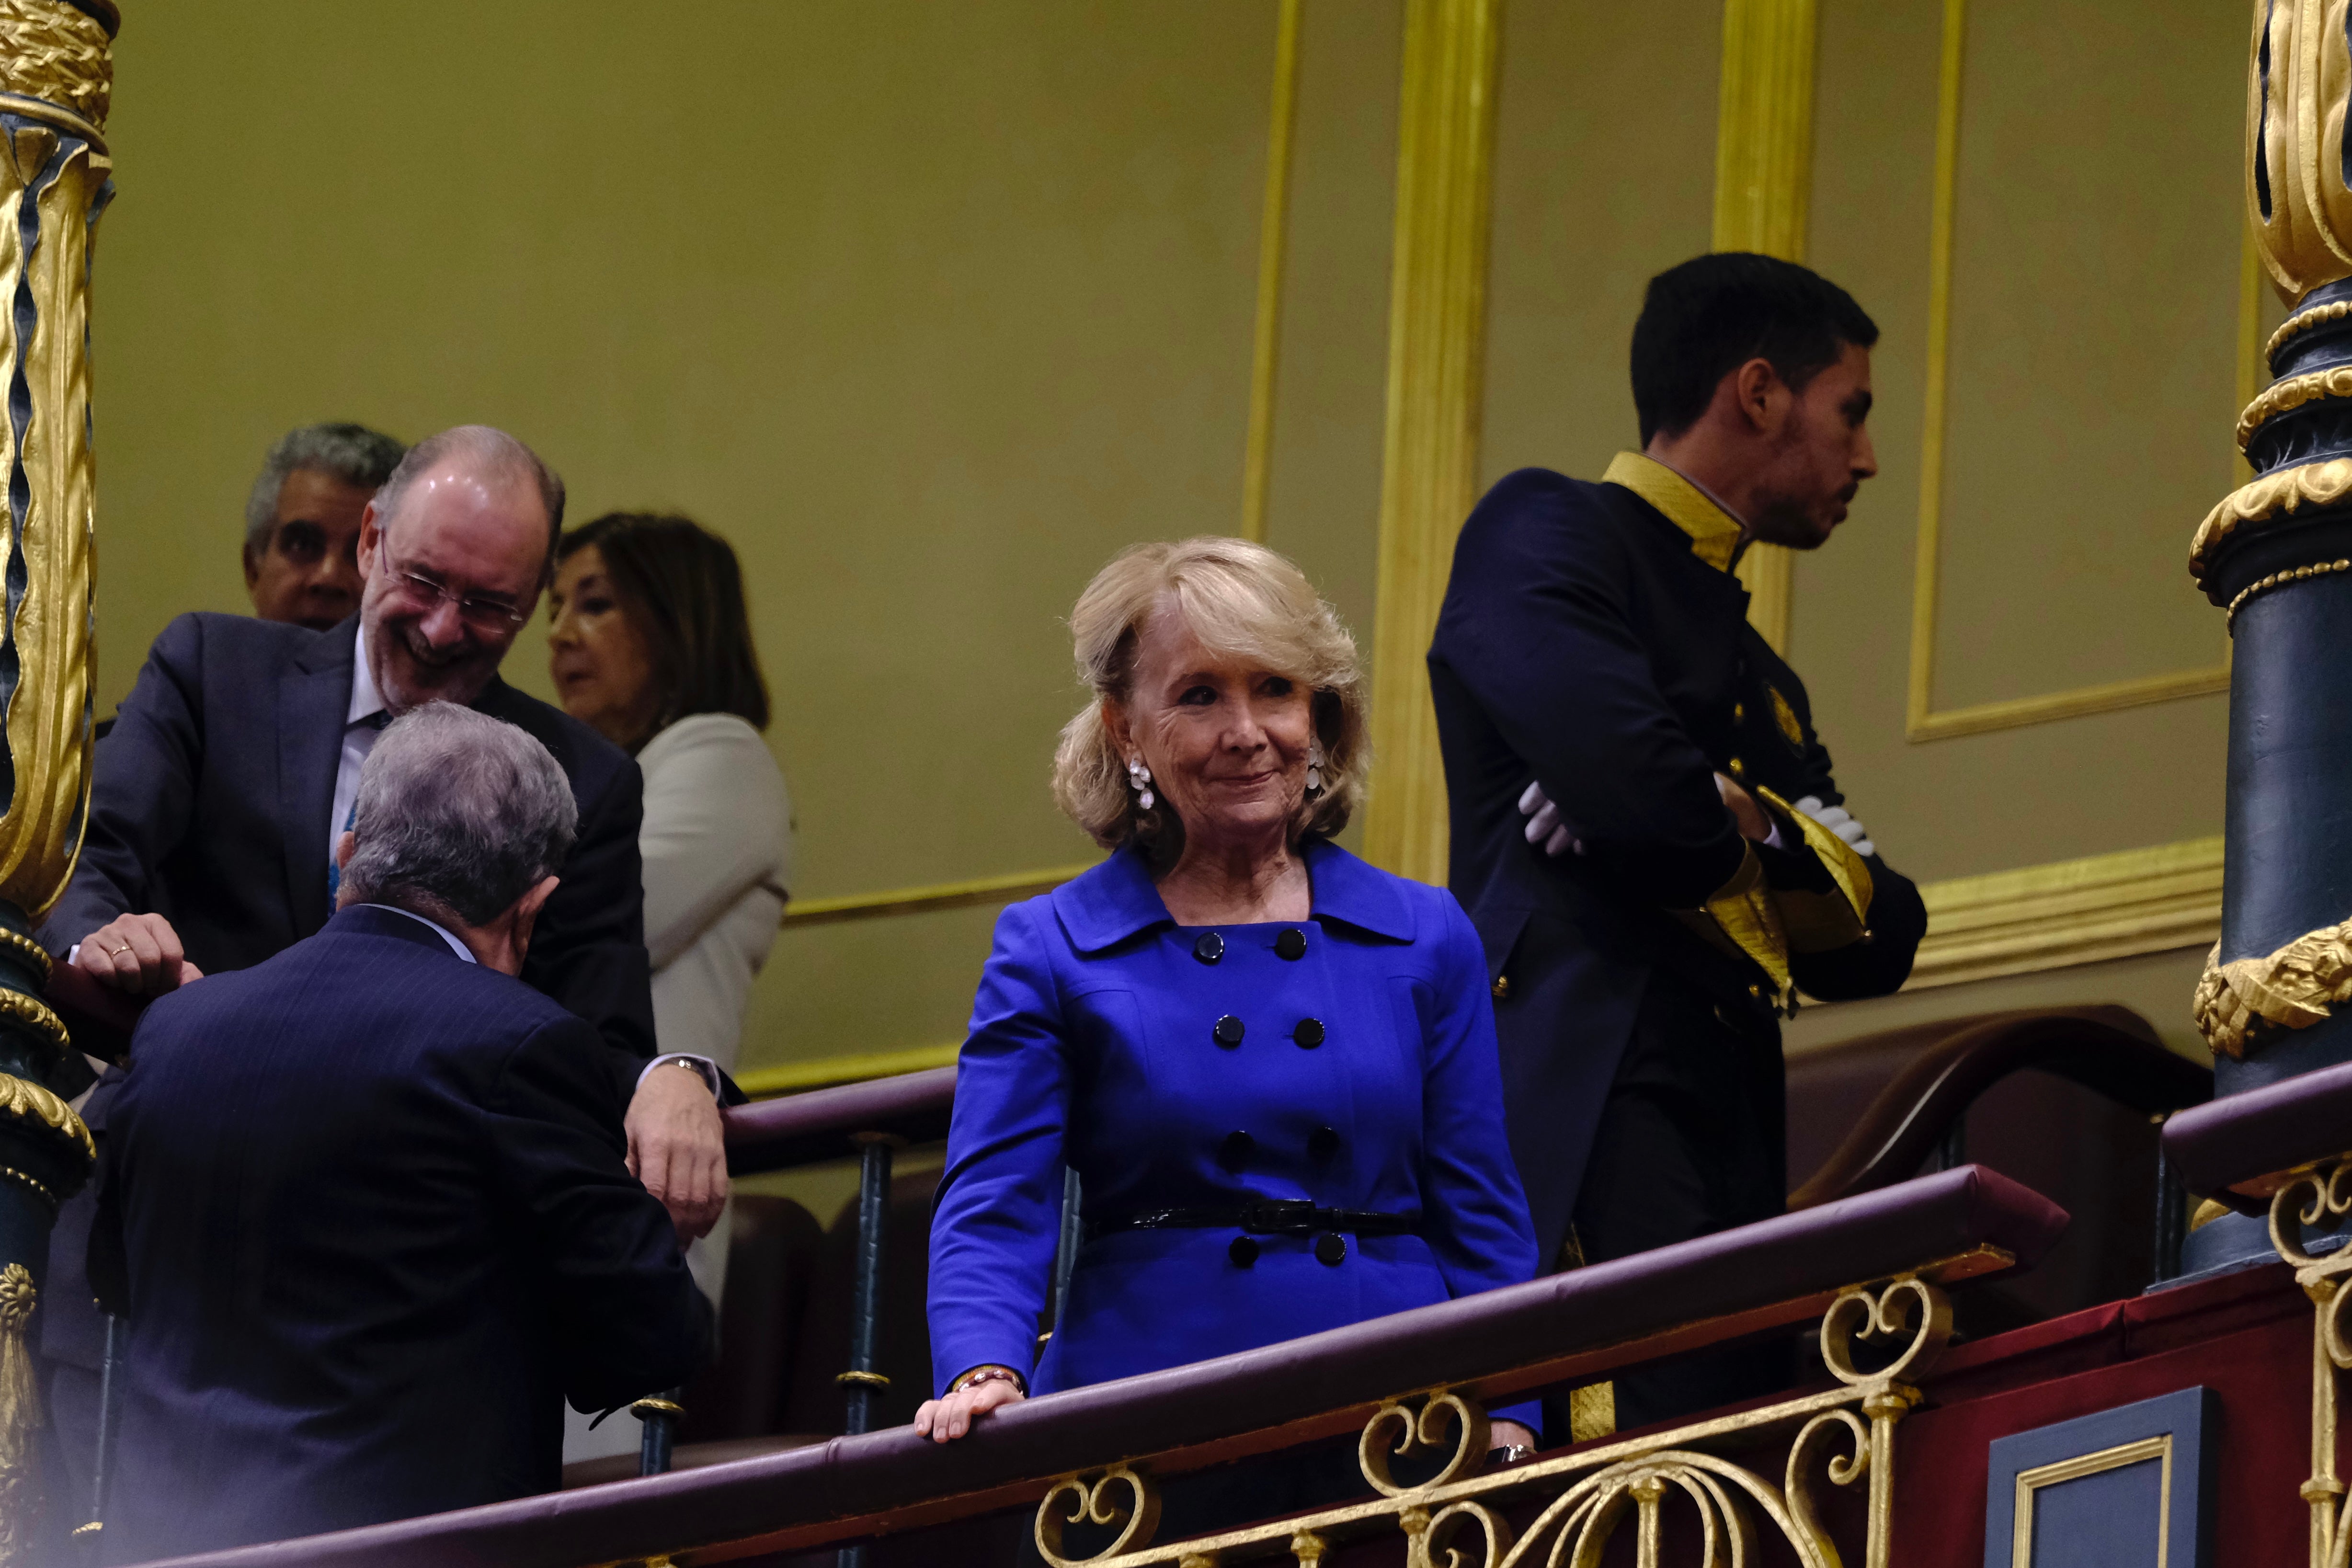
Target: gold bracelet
[(980, 1374)]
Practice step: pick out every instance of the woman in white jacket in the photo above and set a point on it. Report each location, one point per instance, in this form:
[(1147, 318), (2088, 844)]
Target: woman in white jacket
[(651, 645)]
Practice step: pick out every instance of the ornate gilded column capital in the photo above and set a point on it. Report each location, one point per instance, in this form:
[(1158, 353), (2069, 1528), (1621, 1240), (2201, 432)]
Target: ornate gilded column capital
[(55, 86)]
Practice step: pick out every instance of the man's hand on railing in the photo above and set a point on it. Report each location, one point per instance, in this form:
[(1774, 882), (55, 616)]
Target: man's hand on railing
[(973, 1396), (678, 1149), (137, 955)]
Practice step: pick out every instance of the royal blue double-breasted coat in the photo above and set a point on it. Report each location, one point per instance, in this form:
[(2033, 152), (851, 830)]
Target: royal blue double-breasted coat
[(1094, 1041)]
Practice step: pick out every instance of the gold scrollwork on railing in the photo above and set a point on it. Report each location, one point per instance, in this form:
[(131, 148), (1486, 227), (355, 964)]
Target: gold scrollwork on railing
[(1580, 1497), (2313, 1197), (20, 1416)]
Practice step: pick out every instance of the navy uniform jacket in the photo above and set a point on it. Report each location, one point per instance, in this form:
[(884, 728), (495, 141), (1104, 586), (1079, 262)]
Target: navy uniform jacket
[(1593, 642), (1092, 1041), (209, 807), (371, 1205)]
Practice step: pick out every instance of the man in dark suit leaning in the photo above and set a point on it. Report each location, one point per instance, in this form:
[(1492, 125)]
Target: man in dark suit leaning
[(368, 1212), (1645, 829), (233, 766)]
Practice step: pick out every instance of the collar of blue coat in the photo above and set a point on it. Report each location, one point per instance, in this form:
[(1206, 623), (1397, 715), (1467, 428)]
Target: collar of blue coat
[(1117, 899), (1715, 533)]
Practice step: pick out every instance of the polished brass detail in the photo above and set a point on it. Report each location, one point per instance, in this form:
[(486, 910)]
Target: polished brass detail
[(1274, 223), (2286, 396), (20, 1419), (41, 1188), (2266, 500), (2031, 1481), (1783, 714), (52, 52), (2293, 988), (864, 1379), (2205, 1214), (2308, 1198), (656, 1406), (2302, 322), (1580, 1497), (2281, 579), (1428, 464)]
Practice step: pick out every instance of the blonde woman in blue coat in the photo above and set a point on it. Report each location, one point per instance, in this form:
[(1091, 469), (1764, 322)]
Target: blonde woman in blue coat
[(1272, 1066)]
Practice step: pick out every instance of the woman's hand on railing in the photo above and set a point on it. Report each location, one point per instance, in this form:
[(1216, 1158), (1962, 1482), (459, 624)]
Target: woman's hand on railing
[(945, 1420)]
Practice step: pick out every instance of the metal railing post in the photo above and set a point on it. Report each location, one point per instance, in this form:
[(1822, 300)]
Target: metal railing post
[(864, 1382), (659, 1414), (2171, 1214)]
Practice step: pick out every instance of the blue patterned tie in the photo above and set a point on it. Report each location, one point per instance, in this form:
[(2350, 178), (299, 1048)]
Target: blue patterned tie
[(375, 721)]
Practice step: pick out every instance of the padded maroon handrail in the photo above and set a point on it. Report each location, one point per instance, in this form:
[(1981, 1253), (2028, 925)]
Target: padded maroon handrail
[(824, 1123), (2105, 1048), (2241, 1139), (1577, 1325)]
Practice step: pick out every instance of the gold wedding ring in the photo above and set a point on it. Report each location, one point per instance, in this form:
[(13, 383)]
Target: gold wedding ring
[(118, 952)]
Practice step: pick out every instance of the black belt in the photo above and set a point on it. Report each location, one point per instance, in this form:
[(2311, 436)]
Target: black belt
[(1268, 1217)]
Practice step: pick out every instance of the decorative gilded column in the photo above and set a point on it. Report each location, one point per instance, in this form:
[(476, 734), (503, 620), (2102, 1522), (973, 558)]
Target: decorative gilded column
[(55, 76), (2276, 556), (1437, 312), (1763, 197)]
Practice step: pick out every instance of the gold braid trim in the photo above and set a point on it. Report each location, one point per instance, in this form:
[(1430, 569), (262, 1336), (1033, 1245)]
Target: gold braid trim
[(2293, 988), (31, 1103), (56, 54), (2266, 498), (2283, 396)]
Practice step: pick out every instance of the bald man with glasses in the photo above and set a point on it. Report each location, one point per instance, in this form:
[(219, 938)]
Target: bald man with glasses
[(231, 774)]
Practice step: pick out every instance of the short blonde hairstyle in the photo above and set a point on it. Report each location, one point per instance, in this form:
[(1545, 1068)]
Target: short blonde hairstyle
[(1242, 600)]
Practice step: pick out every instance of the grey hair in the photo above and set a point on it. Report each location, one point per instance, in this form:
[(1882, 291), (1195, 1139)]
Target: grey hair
[(353, 453), (459, 814), (488, 449)]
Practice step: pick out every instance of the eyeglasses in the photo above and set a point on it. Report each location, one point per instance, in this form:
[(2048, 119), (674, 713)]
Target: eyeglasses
[(492, 615)]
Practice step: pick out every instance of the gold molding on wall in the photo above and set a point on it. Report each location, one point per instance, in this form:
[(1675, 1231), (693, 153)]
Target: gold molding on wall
[(1921, 721), (1763, 197), (1003, 890), (1274, 227), (2019, 922), (1430, 453), (2070, 913)]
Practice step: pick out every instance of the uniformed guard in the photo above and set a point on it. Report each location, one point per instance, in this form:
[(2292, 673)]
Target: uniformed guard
[(1646, 830)]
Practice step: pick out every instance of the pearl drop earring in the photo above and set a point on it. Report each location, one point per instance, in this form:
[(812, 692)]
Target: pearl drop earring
[(1314, 768), (1138, 778)]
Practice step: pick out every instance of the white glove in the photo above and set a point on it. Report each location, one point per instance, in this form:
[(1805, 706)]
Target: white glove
[(1544, 825), (1840, 821)]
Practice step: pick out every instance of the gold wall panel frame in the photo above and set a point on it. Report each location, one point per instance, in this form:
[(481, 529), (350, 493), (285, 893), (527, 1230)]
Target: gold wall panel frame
[(1922, 719), (2028, 1482)]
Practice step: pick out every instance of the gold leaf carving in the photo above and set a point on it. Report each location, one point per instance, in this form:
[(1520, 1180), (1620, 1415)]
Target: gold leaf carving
[(2287, 492), (54, 53), (2293, 988), (28, 1102), (20, 1417), (2281, 397)]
